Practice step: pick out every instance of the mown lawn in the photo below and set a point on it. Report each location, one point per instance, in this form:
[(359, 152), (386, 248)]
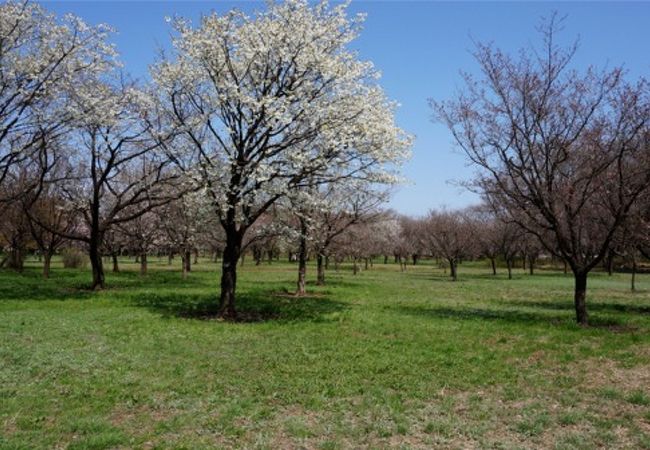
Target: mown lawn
[(382, 359)]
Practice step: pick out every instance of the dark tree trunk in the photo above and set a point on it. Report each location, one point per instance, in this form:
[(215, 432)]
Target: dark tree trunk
[(143, 264), (96, 263), (320, 270), (385, 259), (355, 268), (453, 269), (366, 263), (231, 255), (509, 264), (196, 256), (116, 266), (632, 285), (16, 258), (187, 260), (531, 265), (610, 263), (47, 260), (579, 298), (494, 266), (170, 258), (566, 270), (415, 259), (302, 258), (523, 262)]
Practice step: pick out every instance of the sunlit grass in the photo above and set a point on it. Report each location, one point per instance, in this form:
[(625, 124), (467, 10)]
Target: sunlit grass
[(381, 359)]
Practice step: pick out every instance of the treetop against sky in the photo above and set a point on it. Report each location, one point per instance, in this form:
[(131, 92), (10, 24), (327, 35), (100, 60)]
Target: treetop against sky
[(419, 47)]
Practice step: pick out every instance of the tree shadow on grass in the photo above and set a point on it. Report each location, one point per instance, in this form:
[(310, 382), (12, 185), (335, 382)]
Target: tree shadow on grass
[(514, 316), (30, 285), (591, 306), (256, 306)]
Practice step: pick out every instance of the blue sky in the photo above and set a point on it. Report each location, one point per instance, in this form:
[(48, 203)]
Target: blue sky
[(420, 47)]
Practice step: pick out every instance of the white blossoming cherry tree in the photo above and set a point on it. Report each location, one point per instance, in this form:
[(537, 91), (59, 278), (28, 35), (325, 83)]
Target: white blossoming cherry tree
[(267, 103), (42, 59)]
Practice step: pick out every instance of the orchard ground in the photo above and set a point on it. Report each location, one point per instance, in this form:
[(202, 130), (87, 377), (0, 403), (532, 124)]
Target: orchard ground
[(382, 359)]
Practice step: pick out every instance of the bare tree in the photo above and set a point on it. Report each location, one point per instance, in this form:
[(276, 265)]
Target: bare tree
[(450, 235), (563, 154)]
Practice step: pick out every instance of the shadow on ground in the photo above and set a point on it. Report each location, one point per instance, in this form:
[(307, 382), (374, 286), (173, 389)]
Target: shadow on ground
[(257, 306), (516, 316), (568, 306)]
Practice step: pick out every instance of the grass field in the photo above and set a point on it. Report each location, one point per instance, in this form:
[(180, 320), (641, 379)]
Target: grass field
[(379, 360)]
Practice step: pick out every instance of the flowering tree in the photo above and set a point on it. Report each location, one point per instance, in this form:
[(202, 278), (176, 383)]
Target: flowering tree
[(267, 103), (118, 176), (43, 59), (562, 154)]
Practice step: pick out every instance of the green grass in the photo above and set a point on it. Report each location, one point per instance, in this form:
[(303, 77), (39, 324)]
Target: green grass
[(382, 359)]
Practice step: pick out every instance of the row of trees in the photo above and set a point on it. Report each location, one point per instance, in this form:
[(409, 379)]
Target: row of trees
[(256, 127), (246, 114)]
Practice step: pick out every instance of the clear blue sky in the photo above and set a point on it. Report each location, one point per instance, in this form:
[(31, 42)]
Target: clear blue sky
[(420, 47)]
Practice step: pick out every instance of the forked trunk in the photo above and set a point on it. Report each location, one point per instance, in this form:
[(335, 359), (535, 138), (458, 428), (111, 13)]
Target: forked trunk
[(580, 296)]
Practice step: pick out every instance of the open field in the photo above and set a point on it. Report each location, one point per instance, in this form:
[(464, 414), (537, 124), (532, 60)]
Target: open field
[(382, 359)]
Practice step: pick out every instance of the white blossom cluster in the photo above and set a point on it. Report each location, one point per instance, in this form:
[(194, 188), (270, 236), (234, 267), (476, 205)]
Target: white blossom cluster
[(268, 103)]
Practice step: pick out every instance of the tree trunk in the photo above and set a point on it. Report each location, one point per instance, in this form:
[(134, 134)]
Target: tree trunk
[(183, 266), (231, 257), (452, 269), (170, 258), (196, 256), (355, 268), (96, 262), (366, 263), (531, 265), (494, 266), (632, 286), (509, 264), (16, 258), (565, 268), (116, 266), (610, 263), (187, 260), (580, 296), (47, 260), (320, 270), (385, 259), (143, 263), (302, 257)]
